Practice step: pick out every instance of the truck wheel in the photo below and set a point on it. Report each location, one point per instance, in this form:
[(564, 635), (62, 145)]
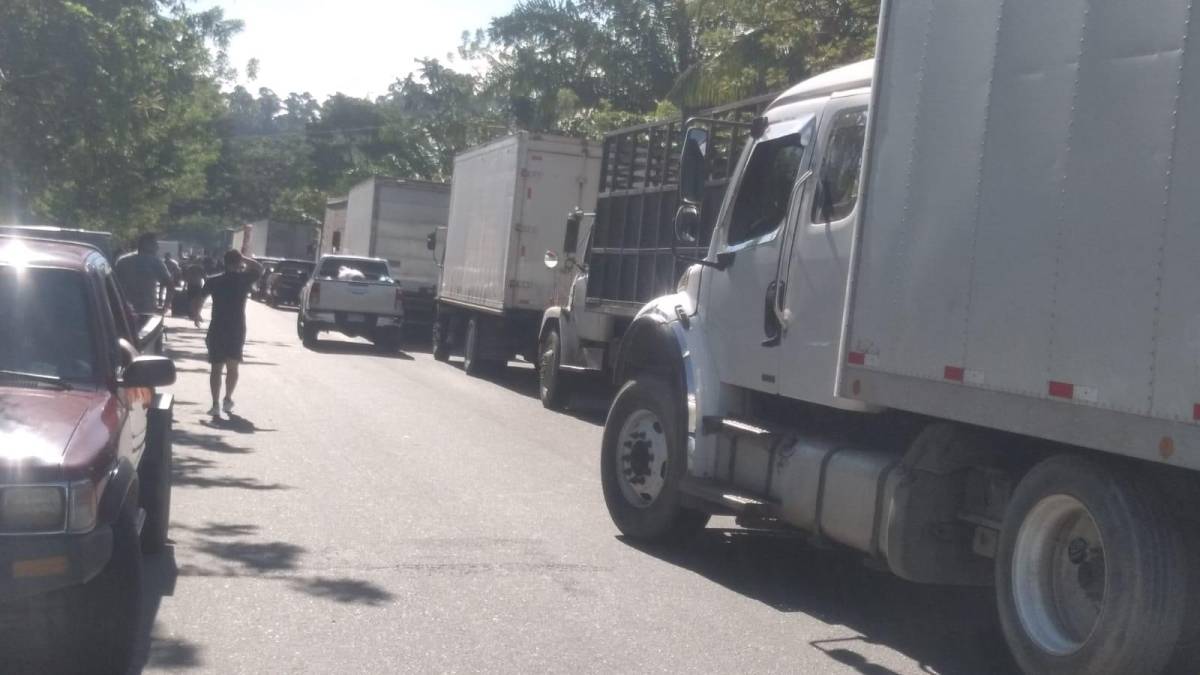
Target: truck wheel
[(1091, 573), (441, 340), (472, 364), (553, 389), (307, 334), (106, 610), (154, 478), (643, 460)]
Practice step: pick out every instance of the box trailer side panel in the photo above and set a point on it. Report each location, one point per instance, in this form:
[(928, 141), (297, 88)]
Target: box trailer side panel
[(559, 174), (480, 232), (360, 212), (1025, 253), (406, 213)]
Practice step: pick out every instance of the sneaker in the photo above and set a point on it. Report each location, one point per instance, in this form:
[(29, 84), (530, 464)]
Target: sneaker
[(214, 412), (228, 406)]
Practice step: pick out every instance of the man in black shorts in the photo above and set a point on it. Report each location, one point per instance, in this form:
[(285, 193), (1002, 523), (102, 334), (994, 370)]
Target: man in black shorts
[(227, 326)]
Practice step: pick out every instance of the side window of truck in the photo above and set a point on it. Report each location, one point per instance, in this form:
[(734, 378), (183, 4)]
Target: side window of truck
[(837, 192), (766, 187)]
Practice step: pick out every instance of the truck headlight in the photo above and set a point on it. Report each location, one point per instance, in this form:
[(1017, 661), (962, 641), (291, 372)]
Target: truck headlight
[(84, 505), (36, 508)]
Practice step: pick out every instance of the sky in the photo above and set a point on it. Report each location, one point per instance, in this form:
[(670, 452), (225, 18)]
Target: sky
[(355, 47)]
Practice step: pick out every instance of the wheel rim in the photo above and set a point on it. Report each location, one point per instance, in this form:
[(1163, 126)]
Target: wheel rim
[(1058, 574), (642, 458), (549, 370)]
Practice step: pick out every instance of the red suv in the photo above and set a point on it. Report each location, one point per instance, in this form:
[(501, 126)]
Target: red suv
[(85, 450)]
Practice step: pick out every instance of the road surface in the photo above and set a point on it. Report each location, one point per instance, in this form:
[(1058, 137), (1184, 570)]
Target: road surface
[(373, 514)]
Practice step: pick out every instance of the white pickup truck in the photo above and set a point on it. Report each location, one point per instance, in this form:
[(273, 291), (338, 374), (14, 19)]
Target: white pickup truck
[(354, 296)]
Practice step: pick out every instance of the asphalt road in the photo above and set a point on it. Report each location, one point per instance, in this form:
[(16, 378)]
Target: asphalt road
[(375, 514)]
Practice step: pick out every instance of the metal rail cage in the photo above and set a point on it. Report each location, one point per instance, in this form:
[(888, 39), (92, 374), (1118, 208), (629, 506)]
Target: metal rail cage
[(629, 259)]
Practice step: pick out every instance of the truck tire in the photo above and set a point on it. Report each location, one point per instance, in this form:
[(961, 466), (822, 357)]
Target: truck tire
[(441, 340), (154, 479), (473, 364), (552, 387), (1090, 574), (643, 461), (106, 610), (308, 335)]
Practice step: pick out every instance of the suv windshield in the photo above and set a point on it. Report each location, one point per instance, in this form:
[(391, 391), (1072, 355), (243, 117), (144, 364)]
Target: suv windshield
[(350, 268), (44, 324)]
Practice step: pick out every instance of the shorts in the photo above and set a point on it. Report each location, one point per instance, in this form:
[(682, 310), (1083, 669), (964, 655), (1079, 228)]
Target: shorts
[(224, 344)]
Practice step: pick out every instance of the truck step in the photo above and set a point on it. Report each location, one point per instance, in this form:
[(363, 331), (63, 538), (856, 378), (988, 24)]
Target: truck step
[(738, 501), (713, 424)]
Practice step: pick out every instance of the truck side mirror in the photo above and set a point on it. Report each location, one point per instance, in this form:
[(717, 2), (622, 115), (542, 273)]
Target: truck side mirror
[(571, 240), (431, 241), (692, 172), (550, 260), (687, 223)]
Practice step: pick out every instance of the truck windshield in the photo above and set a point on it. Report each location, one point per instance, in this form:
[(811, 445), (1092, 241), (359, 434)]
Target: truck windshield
[(350, 268), (45, 327)]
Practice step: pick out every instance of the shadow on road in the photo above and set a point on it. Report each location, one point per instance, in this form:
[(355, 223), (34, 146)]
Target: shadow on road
[(589, 399), (233, 422), (152, 649), (187, 471), (947, 630), (357, 348)]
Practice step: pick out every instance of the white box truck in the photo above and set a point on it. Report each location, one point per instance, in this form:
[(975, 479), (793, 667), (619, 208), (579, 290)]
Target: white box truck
[(981, 368), (276, 239), (392, 219), (508, 205)]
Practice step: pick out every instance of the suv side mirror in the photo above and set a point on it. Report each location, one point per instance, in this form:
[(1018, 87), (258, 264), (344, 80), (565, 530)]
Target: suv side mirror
[(692, 167), (550, 260), (431, 241), (687, 223), (149, 371)]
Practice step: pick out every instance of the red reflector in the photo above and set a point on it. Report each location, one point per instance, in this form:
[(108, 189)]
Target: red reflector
[(856, 358), (1196, 411), (1062, 389), (953, 373)]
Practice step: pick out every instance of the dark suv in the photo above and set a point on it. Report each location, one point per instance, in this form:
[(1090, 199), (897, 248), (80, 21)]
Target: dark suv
[(285, 282), (85, 451)]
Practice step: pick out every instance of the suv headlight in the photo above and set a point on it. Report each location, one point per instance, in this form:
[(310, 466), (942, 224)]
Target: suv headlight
[(34, 508), (84, 506)]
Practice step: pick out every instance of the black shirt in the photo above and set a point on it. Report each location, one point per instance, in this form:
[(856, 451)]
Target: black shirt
[(228, 291)]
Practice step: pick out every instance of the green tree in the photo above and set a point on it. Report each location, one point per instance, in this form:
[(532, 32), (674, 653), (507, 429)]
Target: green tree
[(107, 109)]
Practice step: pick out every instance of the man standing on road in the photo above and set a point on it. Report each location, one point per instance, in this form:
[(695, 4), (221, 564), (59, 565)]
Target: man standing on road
[(175, 271), (140, 273), (227, 325)]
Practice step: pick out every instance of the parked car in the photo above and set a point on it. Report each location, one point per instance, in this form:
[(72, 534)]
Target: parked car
[(259, 290), (86, 458), (354, 296), (285, 282)]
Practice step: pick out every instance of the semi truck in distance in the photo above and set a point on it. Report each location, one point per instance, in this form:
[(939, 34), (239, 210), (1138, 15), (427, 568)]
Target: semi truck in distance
[(959, 337), (619, 258), (392, 219), (508, 203)]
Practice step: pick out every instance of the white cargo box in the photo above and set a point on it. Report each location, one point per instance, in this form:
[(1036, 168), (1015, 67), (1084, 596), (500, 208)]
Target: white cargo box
[(508, 205), (392, 219), (1027, 254)]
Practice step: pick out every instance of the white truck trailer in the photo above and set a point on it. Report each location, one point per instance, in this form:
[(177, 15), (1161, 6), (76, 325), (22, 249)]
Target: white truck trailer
[(276, 239), (392, 219), (508, 206), (981, 368)]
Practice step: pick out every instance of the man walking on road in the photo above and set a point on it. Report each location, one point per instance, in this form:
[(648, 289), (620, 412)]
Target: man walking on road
[(227, 325), (140, 273)]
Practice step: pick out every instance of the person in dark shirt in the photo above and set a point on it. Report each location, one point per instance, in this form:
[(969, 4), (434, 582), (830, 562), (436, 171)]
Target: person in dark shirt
[(227, 325)]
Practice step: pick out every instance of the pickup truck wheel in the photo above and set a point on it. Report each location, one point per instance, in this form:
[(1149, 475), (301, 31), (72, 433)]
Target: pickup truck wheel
[(155, 485), (643, 461), (1091, 572), (106, 610), (554, 391), (308, 335), (441, 340)]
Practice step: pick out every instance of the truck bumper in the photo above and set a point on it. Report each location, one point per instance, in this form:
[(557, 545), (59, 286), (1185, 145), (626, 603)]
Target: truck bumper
[(341, 322), (33, 565)]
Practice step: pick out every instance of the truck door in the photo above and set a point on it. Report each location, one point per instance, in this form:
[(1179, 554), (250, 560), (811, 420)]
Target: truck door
[(817, 269), (745, 329)]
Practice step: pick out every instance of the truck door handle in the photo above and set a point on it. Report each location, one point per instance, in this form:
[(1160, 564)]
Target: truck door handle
[(772, 327)]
